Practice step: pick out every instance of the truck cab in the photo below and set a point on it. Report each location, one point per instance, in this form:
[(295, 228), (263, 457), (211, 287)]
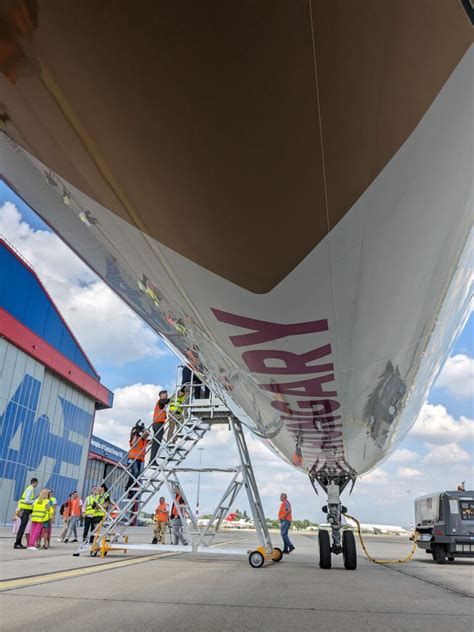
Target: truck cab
[(445, 524)]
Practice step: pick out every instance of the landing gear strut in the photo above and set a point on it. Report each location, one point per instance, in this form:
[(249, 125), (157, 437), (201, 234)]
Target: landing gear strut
[(343, 540)]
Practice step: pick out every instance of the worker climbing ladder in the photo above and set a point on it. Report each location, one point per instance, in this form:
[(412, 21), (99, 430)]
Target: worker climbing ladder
[(190, 427)]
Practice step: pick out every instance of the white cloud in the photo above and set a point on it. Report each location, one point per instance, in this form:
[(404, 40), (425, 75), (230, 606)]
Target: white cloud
[(457, 376), (375, 477), (435, 424), (408, 472), (403, 455), (445, 454), (105, 327), (131, 403)]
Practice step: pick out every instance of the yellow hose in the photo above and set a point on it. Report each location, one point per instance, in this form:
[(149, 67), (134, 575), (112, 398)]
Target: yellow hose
[(374, 559)]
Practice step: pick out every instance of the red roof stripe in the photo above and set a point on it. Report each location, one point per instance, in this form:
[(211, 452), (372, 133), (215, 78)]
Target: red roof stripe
[(39, 349), (26, 264)]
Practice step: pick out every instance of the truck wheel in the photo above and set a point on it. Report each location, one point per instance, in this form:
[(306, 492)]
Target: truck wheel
[(324, 549), (349, 552), (440, 554)]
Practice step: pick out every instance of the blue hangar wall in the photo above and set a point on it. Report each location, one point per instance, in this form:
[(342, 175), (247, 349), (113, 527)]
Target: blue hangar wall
[(45, 420), (103, 458)]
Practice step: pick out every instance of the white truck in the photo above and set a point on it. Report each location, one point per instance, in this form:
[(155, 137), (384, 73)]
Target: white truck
[(445, 524)]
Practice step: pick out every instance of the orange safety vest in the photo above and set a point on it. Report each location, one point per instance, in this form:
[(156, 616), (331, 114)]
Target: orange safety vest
[(174, 512), (138, 449), (114, 512), (159, 414), (285, 511), (162, 512), (75, 507), (67, 509)]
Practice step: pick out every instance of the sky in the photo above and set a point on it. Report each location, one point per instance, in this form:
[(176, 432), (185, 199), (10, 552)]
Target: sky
[(437, 454)]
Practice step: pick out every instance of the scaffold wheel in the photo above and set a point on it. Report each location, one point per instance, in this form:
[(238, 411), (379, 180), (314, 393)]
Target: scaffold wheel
[(256, 559), (277, 554)]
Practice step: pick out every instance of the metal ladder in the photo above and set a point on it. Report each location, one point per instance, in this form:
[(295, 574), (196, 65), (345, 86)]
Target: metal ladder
[(123, 511), (198, 417)]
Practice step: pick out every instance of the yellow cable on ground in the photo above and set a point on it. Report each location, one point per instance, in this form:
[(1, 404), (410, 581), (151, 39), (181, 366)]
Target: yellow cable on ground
[(374, 559)]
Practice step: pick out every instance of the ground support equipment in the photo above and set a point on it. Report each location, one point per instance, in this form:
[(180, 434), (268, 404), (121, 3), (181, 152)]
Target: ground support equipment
[(198, 417)]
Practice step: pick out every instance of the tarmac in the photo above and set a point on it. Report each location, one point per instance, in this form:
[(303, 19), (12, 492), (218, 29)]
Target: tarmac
[(48, 590)]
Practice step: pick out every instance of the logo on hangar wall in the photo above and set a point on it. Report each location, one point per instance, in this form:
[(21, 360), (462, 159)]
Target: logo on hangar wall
[(29, 436)]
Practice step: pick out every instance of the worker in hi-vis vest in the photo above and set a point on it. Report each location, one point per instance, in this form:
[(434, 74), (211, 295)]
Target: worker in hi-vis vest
[(89, 513), (285, 517), (175, 413), (136, 455), (39, 518), (161, 520), (101, 503), (159, 420), (25, 507), (52, 515)]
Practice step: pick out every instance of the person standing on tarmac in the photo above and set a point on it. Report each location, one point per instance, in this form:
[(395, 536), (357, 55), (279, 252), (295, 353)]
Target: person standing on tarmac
[(176, 523), (175, 416), (52, 515), (39, 519), (285, 518), (159, 419), (66, 515), (25, 508), (161, 520), (75, 513), (102, 501), (89, 513)]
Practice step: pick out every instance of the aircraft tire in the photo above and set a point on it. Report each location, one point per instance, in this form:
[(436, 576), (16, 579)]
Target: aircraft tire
[(349, 551), (324, 549), (256, 559)]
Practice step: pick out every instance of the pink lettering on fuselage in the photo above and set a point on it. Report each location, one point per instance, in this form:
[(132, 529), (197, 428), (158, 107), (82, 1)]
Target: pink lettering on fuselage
[(307, 404)]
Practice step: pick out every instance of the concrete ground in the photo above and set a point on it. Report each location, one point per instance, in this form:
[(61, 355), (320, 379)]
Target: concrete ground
[(49, 590)]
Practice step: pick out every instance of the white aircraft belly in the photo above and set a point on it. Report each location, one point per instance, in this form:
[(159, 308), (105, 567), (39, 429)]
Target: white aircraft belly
[(382, 295)]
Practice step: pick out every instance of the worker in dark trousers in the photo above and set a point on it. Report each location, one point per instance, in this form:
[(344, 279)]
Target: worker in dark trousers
[(102, 502), (25, 508), (159, 419), (89, 513)]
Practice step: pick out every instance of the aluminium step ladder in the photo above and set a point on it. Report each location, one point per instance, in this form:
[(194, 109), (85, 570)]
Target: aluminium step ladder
[(198, 417)]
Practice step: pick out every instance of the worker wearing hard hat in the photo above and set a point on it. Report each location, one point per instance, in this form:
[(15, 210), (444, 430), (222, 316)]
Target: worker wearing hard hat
[(285, 518)]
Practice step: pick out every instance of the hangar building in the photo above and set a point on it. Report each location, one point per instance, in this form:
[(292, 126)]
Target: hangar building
[(49, 390)]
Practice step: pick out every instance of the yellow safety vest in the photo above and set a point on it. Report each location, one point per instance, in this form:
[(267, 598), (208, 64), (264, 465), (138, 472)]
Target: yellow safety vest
[(40, 511), (21, 502), (90, 511), (176, 405), (52, 509), (100, 500)]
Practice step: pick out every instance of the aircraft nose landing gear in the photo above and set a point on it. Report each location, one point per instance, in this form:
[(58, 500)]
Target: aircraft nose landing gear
[(343, 540)]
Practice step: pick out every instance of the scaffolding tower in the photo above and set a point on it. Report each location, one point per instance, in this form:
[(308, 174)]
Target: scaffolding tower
[(163, 470)]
